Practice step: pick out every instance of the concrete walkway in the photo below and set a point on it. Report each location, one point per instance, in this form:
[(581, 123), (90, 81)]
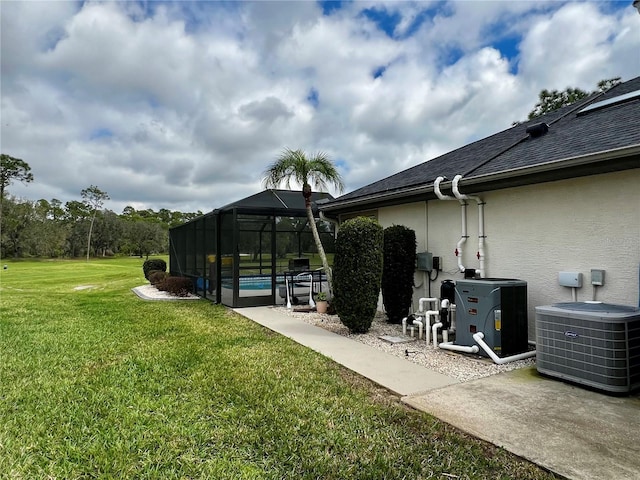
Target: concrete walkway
[(396, 374), (577, 433)]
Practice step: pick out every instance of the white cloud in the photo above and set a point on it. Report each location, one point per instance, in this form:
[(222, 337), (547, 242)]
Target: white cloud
[(183, 105)]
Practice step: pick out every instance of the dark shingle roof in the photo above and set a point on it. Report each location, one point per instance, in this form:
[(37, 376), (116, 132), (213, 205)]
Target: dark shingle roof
[(570, 135), (283, 202)]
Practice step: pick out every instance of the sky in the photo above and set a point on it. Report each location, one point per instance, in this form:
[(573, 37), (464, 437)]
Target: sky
[(184, 105)]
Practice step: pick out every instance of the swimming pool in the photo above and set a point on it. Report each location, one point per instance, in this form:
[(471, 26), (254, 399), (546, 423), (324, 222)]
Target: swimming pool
[(256, 282), (263, 282)]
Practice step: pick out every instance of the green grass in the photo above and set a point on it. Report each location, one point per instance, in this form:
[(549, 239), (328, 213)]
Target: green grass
[(96, 383)]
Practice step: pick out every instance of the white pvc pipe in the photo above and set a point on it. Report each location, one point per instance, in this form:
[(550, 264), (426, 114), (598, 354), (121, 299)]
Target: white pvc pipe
[(481, 236), (478, 337), (434, 332), (415, 322), (459, 348), (427, 323), (463, 236), (422, 301), (436, 190), (419, 323)]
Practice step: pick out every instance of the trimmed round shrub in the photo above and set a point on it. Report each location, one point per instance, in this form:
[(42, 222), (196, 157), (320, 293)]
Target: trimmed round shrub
[(179, 286), (153, 264), (156, 277), (357, 272), (399, 263)]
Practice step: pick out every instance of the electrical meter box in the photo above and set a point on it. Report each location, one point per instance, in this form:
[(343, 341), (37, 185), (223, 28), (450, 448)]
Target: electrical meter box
[(424, 261), (497, 307)]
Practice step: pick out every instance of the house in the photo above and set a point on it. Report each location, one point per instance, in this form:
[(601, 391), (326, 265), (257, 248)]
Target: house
[(560, 193)]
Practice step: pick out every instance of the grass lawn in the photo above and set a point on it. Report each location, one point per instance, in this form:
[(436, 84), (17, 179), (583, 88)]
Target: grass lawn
[(97, 383)]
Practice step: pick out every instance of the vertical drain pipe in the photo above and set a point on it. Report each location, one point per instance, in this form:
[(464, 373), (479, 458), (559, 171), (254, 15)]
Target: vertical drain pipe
[(481, 235), (463, 235)]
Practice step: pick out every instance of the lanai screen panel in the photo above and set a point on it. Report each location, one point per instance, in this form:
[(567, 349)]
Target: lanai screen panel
[(228, 265), (256, 259)]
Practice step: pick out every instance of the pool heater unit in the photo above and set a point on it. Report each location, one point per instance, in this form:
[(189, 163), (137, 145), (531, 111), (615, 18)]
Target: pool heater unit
[(497, 307), (590, 343)]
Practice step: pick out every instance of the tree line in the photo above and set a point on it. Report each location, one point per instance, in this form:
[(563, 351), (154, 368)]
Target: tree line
[(51, 229)]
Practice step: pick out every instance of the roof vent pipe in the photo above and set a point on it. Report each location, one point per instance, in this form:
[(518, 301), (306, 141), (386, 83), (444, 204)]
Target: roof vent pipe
[(463, 235), (481, 235)]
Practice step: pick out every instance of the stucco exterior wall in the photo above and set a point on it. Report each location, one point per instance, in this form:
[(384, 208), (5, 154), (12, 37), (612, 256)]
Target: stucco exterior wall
[(534, 232)]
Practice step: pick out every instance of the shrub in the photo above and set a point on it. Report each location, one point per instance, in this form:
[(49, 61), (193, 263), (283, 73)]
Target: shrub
[(357, 272), (179, 286), (157, 276), (153, 264), (399, 254)]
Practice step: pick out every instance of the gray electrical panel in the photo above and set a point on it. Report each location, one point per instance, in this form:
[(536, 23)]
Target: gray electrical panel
[(497, 307), (424, 261)]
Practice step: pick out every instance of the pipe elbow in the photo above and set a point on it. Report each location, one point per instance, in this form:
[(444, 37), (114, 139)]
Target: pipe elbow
[(438, 192), (462, 196)]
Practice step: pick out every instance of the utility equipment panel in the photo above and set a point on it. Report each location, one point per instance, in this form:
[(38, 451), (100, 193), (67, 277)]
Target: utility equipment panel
[(424, 261), (497, 307)]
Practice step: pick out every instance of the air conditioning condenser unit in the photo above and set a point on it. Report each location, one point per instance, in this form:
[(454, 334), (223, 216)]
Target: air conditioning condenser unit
[(590, 343)]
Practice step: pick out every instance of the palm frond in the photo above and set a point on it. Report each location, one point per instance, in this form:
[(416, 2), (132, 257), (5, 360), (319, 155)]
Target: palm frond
[(317, 171)]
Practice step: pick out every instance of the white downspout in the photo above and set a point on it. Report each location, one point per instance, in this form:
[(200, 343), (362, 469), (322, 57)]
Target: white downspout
[(324, 218), (463, 235), (481, 234), (478, 337)]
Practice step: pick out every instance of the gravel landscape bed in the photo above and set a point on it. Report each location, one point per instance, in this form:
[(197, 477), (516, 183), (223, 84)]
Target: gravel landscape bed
[(462, 367)]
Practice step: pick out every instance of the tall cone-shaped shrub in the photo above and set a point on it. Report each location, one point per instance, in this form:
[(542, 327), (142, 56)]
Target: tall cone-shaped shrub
[(397, 273), (357, 272)]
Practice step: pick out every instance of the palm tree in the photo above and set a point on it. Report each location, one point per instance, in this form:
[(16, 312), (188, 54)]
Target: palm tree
[(317, 170)]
